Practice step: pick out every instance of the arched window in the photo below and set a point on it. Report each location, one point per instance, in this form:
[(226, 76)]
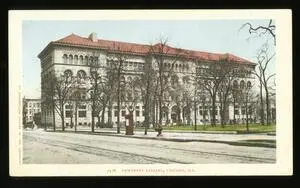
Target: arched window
[(169, 65), (96, 60), (68, 75), (248, 84), (70, 59), (242, 84), (186, 80), (174, 81), (65, 58), (86, 59), (180, 67), (81, 75), (91, 61), (129, 79), (122, 79), (81, 60), (235, 84), (176, 66), (76, 59)]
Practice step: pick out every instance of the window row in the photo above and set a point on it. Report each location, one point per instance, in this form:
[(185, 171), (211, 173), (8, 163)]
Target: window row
[(79, 60), (179, 67), (111, 63), (242, 84)]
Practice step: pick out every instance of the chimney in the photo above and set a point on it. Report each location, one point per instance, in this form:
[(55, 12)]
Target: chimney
[(93, 37)]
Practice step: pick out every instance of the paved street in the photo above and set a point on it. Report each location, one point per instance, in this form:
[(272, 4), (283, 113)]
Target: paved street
[(69, 148)]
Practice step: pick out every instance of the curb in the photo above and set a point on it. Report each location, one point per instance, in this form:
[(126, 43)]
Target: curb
[(235, 143)]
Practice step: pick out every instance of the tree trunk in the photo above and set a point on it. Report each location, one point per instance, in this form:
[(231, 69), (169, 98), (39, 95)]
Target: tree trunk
[(72, 120), (62, 117), (118, 104), (109, 115), (146, 121), (156, 113), (102, 116), (213, 120), (100, 121), (75, 126), (53, 116), (267, 106), (93, 120), (262, 116), (247, 125), (234, 110), (160, 109)]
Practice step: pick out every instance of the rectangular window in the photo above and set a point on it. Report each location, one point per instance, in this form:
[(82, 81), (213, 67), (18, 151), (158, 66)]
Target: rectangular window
[(116, 107), (243, 111), (137, 107), (250, 111), (82, 114), (137, 113), (200, 111), (123, 113), (68, 113), (237, 112), (116, 113)]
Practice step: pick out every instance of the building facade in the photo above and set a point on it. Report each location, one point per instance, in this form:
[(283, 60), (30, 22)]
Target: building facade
[(31, 107), (74, 54)]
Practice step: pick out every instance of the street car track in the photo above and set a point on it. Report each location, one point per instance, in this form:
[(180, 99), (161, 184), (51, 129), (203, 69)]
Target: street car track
[(138, 158), (132, 157)]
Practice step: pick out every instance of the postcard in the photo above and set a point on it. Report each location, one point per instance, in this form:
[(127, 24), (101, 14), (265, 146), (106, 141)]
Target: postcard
[(150, 92)]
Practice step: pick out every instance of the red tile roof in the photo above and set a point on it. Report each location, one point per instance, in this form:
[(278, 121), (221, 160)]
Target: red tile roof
[(143, 49)]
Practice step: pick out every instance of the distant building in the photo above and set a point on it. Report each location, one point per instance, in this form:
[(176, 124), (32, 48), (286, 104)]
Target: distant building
[(32, 106), (73, 54)]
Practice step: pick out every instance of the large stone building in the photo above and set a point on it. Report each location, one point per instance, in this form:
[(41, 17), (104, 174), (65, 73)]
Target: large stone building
[(73, 54)]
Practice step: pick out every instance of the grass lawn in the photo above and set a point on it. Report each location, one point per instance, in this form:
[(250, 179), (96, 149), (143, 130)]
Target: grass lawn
[(254, 128)]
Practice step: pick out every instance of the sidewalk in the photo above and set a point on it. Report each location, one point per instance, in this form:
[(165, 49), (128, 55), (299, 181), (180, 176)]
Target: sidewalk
[(255, 140)]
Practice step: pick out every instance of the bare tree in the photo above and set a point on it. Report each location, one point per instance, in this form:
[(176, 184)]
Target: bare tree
[(263, 60), (131, 95), (146, 85), (49, 95), (246, 96), (105, 97), (229, 73), (164, 58), (262, 29), (211, 76), (117, 56), (95, 89), (76, 100), (62, 87)]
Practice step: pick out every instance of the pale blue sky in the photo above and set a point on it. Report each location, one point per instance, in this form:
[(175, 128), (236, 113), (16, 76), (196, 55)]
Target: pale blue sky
[(221, 36)]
